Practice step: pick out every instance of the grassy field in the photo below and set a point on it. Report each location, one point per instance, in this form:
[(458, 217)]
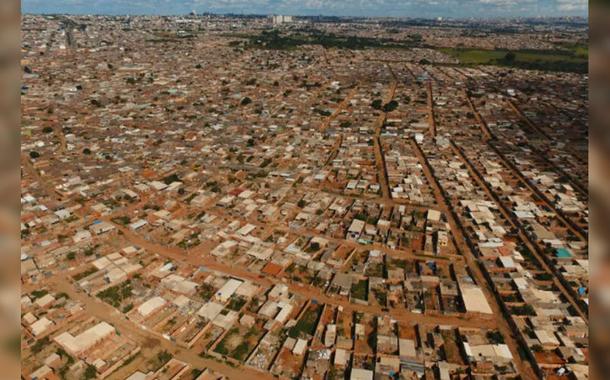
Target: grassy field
[(580, 50), (573, 59)]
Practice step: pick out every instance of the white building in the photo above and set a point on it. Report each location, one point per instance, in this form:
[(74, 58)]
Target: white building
[(279, 19), (76, 345), (227, 290), (150, 306)]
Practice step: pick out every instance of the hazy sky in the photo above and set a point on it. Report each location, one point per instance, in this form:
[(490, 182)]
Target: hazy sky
[(408, 8)]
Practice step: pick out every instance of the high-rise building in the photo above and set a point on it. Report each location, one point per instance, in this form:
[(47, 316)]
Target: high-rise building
[(280, 19)]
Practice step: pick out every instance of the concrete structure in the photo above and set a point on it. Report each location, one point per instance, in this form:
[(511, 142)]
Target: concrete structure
[(80, 344)]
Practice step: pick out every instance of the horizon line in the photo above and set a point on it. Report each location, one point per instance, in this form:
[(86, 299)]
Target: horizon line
[(432, 18)]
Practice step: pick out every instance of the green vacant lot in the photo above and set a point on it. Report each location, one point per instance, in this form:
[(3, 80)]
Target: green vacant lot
[(360, 290), (307, 324), (572, 60), (286, 41), (117, 294)]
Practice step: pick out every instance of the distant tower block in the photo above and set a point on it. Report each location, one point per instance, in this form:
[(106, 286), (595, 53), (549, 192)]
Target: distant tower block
[(280, 19)]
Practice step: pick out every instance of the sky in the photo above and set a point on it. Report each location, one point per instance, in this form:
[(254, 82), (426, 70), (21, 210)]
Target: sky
[(372, 8)]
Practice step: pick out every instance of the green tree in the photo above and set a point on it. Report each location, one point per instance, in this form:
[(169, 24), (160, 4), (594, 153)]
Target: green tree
[(377, 104), (391, 106), (90, 372)]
